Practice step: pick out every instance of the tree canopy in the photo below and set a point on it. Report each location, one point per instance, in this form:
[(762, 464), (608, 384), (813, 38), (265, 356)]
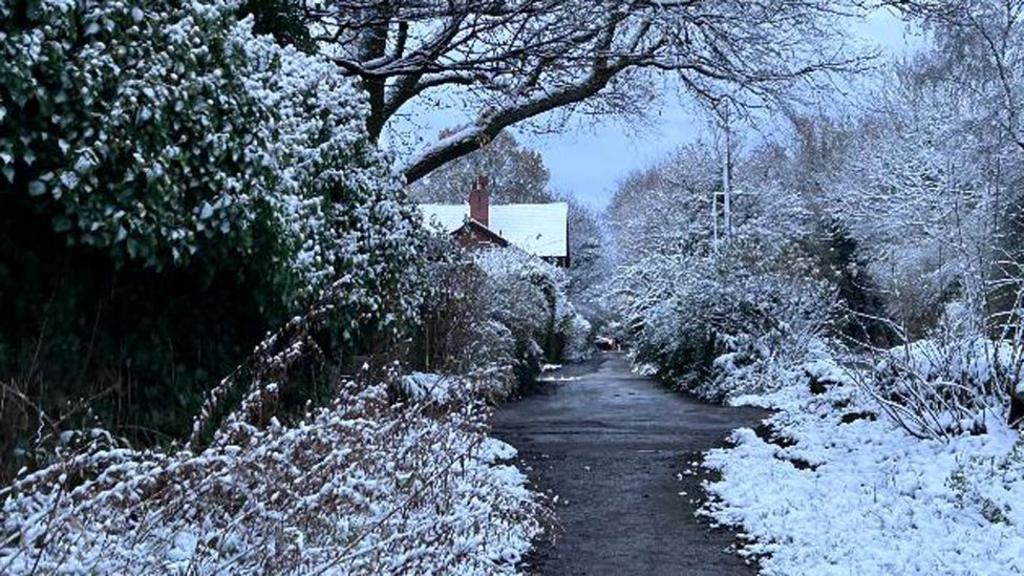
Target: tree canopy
[(511, 62)]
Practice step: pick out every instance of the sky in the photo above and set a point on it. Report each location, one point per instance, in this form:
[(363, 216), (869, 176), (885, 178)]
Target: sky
[(588, 158)]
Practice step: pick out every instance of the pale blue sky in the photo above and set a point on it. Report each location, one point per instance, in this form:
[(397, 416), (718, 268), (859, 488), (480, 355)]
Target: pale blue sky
[(590, 157)]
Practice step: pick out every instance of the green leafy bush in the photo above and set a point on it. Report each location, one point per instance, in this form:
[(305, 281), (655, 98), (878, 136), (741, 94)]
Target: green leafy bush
[(172, 187)]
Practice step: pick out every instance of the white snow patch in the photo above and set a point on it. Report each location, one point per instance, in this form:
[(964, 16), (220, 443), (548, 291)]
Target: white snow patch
[(428, 387), (864, 497)]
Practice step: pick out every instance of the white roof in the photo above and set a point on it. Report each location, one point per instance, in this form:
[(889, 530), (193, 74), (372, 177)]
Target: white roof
[(539, 229)]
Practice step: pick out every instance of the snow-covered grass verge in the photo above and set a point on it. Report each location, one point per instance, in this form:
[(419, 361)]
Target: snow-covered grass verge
[(364, 485), (837, 487)]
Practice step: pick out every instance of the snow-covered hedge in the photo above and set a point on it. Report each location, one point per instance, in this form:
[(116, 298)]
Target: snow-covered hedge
[(530, 297), (498, 313), (361, 486), (185, 186), (718, 324), (165, 131), (578, 336), (521, 292), (391, 475)]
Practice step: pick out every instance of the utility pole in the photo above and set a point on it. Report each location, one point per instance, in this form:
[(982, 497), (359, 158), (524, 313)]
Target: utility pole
[(714, 218), (727, 175)]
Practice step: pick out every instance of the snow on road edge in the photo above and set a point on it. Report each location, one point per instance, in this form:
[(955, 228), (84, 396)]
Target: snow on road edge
[(846, 492)]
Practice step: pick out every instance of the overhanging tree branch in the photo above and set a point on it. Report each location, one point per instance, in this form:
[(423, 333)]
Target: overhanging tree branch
[(474, 136), (518, 59)]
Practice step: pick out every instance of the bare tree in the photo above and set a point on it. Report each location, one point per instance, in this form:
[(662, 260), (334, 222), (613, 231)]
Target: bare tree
[(982, 42), (513, 60), (515, 174)]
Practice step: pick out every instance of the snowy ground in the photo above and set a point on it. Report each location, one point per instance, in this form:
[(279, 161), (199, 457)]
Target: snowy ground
[(837, 489)]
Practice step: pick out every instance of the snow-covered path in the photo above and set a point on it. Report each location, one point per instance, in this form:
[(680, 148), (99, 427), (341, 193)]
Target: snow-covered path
[(615, 448)]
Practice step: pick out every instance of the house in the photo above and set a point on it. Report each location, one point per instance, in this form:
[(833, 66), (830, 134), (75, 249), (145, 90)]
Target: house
[(538, 229)]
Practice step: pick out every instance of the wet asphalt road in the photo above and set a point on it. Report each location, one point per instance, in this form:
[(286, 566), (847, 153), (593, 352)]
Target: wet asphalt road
[(611, 445)]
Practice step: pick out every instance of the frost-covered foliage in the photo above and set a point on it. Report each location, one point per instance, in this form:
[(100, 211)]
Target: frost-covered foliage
[(939, 387), (836, 485), (164, 132), (955, 381), (668, 208), (390, 475), (362, 486), (918, 194), (437, 388), (724, 328), (530, 299), (577, 337), (525, 290), (172, 187), (499, 312), (455, 334), (692, 291)]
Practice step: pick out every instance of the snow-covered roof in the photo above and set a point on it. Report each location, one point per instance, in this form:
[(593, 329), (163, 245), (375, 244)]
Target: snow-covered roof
[(539, 229)]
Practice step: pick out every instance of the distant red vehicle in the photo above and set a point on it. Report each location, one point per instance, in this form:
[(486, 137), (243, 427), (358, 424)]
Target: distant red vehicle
[(607, 344)]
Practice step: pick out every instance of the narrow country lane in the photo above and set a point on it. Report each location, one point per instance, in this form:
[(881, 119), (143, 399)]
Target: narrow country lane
[(611, 445)]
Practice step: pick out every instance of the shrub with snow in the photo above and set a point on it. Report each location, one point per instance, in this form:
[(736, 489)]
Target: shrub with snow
[(496, 315), (720, 325), (946, 386), (579, 337), (530, 297), (165, 132), (526, 290), (362, 486), (171, 188), (455, 333)]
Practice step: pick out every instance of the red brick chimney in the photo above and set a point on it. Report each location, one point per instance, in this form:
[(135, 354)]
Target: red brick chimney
[(480, 201)]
